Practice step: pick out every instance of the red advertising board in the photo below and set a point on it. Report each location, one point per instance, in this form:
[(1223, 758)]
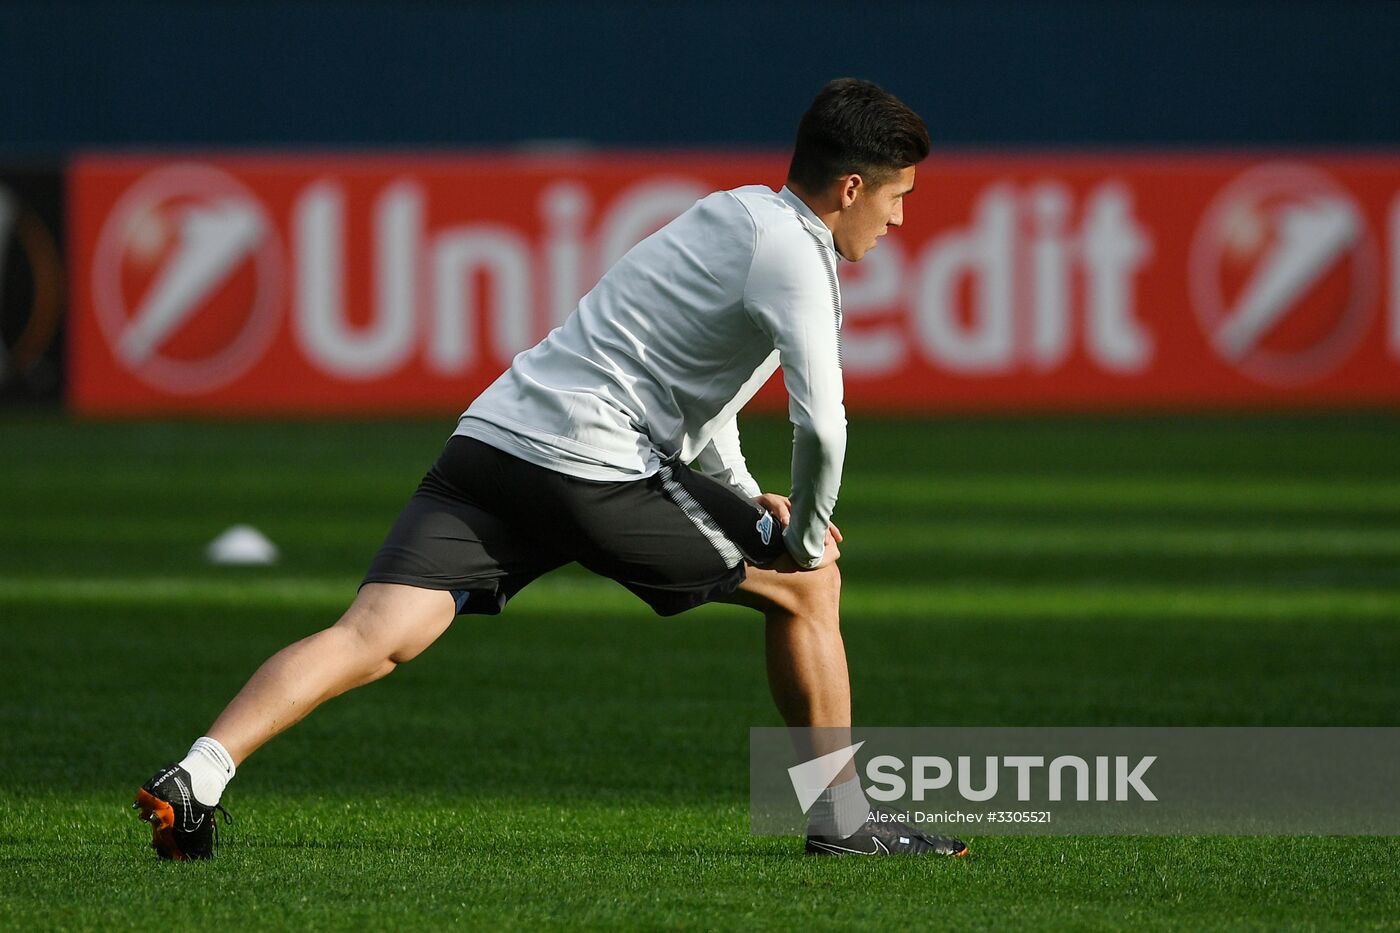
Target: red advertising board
[(306, 284)]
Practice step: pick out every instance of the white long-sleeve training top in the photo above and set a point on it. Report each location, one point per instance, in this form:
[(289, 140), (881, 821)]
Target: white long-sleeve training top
[(660, 356)]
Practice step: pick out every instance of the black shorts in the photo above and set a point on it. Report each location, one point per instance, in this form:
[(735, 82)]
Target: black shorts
[(484, 524)]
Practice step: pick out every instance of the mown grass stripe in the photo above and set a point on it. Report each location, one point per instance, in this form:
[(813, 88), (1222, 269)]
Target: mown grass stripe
[(933, 600)]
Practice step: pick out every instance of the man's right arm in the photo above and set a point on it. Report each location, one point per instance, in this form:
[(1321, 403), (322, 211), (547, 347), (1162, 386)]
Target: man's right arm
[(791, 295)]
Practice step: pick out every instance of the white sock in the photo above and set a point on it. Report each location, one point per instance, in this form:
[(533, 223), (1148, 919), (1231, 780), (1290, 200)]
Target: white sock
[(840, 810), (210, 768)]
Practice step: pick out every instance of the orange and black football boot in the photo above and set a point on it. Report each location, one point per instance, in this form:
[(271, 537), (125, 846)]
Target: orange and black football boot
[(181, 827)]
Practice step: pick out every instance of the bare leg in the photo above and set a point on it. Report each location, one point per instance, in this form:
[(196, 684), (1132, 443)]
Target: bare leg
[(806, 657), (386, 625)]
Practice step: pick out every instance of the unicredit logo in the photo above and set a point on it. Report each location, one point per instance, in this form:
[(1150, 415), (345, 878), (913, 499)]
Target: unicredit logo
[(1284, 274), (192, 284), (285, 283), (188, 279)]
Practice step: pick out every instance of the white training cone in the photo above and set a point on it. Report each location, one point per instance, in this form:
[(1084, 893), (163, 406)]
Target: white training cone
[(242, 545)]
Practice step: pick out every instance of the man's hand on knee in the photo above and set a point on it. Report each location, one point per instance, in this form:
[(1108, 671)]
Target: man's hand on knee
[(780, 507), (830, 555)]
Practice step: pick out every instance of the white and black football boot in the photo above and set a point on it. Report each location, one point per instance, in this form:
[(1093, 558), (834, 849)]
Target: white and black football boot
[(883, 835)]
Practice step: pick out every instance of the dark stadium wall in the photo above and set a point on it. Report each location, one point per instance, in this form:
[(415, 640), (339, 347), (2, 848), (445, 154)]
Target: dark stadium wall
[(985, 73)]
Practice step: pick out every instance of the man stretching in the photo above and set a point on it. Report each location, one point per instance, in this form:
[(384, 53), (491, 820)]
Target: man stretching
[(613, 443)]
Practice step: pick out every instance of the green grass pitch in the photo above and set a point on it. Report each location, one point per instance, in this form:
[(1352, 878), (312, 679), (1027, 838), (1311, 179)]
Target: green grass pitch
[(579, 763)]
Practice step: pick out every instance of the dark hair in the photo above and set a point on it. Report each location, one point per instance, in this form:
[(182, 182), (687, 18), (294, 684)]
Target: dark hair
[(854, 126)]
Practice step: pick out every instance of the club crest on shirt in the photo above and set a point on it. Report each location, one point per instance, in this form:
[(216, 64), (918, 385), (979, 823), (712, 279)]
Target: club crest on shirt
[(765, 527)]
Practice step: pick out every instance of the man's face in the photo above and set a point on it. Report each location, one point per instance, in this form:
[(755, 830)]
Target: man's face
[(871, 211)]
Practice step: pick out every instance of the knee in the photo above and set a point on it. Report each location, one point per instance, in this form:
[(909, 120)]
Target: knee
[(369, 657), (386, 631), (384, 669), (813, 596), (360, 634)]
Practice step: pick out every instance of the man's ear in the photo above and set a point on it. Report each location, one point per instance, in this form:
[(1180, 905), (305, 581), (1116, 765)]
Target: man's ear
[(850, 187)]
